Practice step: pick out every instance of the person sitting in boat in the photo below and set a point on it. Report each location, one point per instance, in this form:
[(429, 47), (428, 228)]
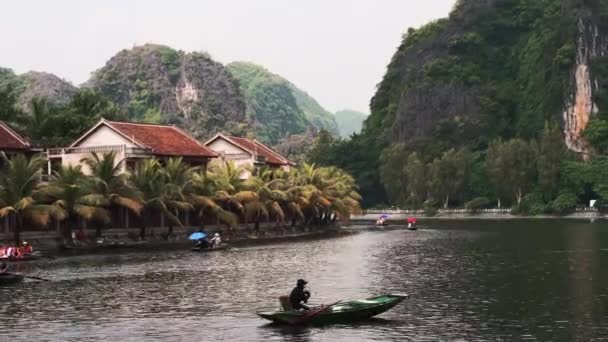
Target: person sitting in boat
[(380, 221), (27, 248), (299, 295), (216, 241), (203, 243)]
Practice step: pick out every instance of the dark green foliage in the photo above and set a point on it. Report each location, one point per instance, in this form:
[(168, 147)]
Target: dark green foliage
[(531, 204), (51, 125), (550, 155), (478, 203), (279, 108), (564, 203)]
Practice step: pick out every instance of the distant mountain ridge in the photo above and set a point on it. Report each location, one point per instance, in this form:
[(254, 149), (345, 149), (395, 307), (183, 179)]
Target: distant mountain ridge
[(349, 122), (155, 83), (271, 97)]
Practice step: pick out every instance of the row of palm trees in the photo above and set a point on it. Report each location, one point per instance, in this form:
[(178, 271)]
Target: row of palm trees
[(307, 194)]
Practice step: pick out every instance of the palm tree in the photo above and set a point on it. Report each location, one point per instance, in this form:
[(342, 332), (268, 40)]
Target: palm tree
[(331, 192), (266, 204), (157, 194), (178, 177), (202, 195), (232, 192), (19, 181), (110, 186), (70, 197)]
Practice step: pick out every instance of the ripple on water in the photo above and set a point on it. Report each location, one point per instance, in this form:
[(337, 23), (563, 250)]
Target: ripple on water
[(467, 283)]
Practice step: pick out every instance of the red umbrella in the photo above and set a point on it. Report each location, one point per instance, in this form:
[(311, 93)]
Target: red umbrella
[(411, 220)]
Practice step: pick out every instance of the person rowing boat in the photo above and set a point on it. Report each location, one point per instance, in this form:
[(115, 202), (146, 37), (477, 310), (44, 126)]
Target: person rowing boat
[(299, 295)]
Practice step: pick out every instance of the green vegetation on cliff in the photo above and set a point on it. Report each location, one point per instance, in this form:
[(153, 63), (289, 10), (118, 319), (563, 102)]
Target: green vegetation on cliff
[(488, 85), (156, 83), (279, 108)]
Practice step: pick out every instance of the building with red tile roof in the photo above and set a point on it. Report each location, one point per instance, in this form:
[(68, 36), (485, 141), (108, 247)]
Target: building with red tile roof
[(11, 141), (245, 151), (132, 142)]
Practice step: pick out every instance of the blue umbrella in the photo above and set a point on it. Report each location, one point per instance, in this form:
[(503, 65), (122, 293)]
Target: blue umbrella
[(197, 236), (384, 216)]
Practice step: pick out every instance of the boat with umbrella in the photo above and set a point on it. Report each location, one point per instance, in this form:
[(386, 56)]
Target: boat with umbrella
[(338, 312)]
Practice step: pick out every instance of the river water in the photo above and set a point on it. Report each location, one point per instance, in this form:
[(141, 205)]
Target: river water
[(468, 281)]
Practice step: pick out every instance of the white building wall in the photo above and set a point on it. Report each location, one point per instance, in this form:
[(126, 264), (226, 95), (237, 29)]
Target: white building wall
[(222, 146), (104, 136)]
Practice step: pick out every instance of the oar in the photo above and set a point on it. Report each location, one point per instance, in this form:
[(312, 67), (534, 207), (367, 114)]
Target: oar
[(37, 278), (313, 313)]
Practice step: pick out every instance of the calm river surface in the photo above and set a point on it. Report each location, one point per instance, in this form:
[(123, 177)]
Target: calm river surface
[(468, 281)]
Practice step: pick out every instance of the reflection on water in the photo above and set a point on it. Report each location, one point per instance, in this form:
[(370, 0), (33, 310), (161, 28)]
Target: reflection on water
[(473, 280)]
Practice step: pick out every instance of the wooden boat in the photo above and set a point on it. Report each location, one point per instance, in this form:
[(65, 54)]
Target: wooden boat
[(223, 247), (344, 312), (10, 279), (26, 257)]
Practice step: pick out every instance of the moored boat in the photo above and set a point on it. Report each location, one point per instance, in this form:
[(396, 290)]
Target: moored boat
[(343, 312), (10, 279), (207, 250)]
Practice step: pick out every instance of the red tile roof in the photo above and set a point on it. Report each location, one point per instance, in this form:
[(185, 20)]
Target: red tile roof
[(11, 140), (257, 148), (163, 140)]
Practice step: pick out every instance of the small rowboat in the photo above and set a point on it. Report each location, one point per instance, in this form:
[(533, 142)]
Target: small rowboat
[(343, 312), (223, 247), (10, 279)]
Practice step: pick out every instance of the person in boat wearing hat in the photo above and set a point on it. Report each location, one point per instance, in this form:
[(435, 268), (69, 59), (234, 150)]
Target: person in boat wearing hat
[(216, 241), (299, 295)]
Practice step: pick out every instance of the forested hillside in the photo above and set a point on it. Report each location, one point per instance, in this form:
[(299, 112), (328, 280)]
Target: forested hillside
[(157, 84), (278, 107), (479, 108)]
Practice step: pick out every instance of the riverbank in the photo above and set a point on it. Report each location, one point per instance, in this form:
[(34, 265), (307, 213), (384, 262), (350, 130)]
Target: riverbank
[(117, 240), (395, 216)]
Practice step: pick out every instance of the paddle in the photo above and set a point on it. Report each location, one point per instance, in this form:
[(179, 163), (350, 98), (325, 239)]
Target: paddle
[(313, 313), (36, 278)]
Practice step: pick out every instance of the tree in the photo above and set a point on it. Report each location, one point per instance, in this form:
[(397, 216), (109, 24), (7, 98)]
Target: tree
[(393, 163), (19, 182), (110, 186), (448, 174), (512, 167), (69, 193), (157, 193), (550, 156), (415, 173)]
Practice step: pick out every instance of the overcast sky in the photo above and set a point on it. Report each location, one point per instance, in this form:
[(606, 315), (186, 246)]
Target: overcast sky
[(336, 50)]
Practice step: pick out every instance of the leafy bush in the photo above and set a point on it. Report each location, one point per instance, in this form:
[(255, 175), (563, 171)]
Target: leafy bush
[(430, 208), (532, 204), (477, 203), (564, 203)]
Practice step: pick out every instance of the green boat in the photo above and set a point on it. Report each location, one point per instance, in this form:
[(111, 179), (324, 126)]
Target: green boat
[(10, 279), (343, 312)]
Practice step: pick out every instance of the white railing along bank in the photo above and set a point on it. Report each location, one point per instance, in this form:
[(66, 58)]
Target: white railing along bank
[(457, 211)]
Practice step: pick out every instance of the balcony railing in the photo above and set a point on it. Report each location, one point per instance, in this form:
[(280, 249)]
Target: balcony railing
[(129, 151), (237, 156), (260, 159)]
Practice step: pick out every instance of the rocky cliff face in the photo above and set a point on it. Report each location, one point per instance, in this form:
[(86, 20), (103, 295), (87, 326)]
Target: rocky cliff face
[(34, 84), (44, 85), (580, 103), (494, 68), (157, 83)]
